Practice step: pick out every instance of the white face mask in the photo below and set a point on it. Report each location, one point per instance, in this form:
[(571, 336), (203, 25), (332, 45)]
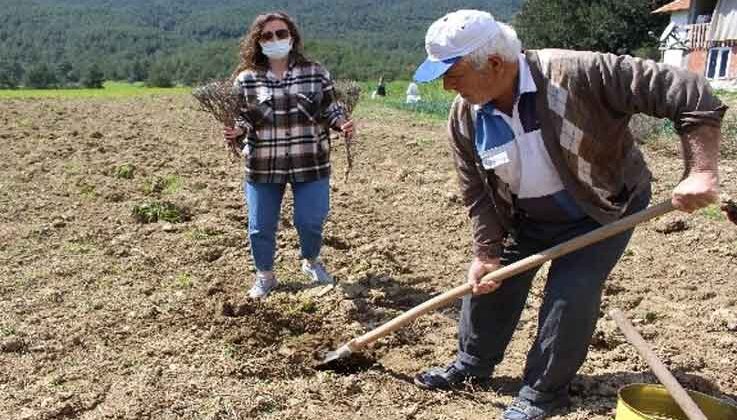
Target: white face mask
[(277, 49)]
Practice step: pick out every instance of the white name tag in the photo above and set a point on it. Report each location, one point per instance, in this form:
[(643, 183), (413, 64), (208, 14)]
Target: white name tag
[(495, 160)]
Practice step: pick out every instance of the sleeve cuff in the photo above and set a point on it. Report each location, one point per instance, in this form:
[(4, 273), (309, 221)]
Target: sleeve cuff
[(492, 250), (245, 125), (335, 117)]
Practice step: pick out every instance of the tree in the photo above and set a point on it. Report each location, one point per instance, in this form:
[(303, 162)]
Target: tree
[(361, 41), (616, 26), (64, 71), (137, 72), (10, 75), (160, 75), (40, 76), (94, 77), (7, 80)]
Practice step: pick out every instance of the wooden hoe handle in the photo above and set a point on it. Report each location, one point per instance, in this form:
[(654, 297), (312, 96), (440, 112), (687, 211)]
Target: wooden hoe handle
[(675, 389)]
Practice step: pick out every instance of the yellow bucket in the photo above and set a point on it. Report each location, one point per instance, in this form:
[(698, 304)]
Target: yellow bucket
[(652, 402)]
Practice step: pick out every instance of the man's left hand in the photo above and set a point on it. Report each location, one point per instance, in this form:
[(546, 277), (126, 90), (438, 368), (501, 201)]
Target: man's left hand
[(697, 190)]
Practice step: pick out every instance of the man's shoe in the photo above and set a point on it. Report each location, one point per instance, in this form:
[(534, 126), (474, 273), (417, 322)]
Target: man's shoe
[(447, 378), (265, 283), (522, 409), (316, 271)]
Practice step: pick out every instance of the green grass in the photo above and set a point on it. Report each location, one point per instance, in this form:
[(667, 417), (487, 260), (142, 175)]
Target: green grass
[(124, 171), (78, 248), (72, 168), (110, 90), (727, 96), (435, 101), (87, 191), (201, 234), (153, 211), (713, 212), (168, 184), (184, 281), (7, 331)]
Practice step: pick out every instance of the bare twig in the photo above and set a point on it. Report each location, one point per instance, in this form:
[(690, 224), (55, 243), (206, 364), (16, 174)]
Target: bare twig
[(348, 94), (223, 101)]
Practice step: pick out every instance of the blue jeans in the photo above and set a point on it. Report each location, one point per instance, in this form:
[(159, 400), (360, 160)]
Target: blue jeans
[(568, 314), (311, 206)]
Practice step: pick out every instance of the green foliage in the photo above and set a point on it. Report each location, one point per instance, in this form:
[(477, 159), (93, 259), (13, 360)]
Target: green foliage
[(728, 148), (153, 211), (40, 76), (6, 331), (10, 74), (124, 171), (87, 191), (93, 78), (647, 51), (137, 71), (169, 184), (183, 281), (189, 41), (308, 306), (713, 212), (160, 75), (65, 72), (79, 247), (47, 43), (201, 234), (616, 26), (7, 80)]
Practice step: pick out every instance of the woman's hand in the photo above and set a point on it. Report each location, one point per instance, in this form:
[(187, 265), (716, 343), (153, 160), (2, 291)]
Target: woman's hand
[(232, 133), (347, 129)]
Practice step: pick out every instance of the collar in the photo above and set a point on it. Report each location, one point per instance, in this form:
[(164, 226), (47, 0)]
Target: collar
[(290, 65), (525, 84)]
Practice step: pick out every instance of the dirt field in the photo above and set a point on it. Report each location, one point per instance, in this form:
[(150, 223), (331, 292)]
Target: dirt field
[(103, 317)]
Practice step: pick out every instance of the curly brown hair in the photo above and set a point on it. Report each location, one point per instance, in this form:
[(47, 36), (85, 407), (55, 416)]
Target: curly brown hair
[(253, 58)]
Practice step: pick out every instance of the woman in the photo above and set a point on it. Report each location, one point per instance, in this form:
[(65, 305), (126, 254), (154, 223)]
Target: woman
[(290, 107)]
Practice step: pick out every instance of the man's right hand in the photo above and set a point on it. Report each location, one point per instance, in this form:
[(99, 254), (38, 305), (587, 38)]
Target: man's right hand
[(480, 266), (232, 133)]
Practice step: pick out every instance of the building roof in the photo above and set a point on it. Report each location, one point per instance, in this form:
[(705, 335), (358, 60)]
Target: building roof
[(674, 6), (724, 21)]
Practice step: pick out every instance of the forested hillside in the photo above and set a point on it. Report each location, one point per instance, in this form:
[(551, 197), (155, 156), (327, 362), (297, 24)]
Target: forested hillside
[(185, 41)]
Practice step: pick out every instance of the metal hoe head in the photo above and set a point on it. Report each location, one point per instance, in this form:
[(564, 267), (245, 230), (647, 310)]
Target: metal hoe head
[(334, 357)]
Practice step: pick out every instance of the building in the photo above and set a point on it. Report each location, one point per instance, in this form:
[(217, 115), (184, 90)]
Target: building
[(702, 36)]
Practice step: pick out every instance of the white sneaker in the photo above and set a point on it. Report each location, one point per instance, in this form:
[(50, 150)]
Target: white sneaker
[(316, 271), (264, 283)]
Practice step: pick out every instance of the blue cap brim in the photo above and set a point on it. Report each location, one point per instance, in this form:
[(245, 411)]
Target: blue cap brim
[(431, 70)]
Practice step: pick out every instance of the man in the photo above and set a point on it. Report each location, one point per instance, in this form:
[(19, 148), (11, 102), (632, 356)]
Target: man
[(543, 154)]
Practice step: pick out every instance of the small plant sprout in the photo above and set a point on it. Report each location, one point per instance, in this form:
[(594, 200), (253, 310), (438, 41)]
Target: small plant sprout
[(151, 212), (183, 281), (124, 171)]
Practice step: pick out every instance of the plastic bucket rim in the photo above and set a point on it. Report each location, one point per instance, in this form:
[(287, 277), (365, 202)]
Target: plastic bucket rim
[(659, 386)]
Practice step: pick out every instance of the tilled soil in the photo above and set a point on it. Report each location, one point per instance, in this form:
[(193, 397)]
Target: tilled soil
[(105, 317)]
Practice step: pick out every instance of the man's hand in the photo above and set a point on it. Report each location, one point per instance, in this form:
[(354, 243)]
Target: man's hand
[(479, 268), (697, 190)]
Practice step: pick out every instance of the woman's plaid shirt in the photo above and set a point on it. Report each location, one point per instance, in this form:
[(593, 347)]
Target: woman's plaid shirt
[(287, 123)]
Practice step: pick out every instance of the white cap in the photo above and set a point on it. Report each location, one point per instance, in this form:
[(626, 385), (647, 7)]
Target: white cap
[(453, 36)]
